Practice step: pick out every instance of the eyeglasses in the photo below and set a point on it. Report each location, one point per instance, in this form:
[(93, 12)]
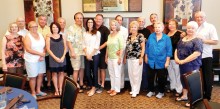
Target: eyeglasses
[(90, 22), (34, 27)]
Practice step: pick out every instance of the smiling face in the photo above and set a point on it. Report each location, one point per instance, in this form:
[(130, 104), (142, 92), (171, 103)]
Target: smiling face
[(55, 29), (172, 26), (20, 22), (153, 18), (62, 23), (98, 20), (119, 19), (200, 18), (79, 19), (158, 27), (42, 20), (13, 28), (33, 27), (90, 24)]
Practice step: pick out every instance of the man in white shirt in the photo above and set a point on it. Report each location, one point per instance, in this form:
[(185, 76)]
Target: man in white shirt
[(124, 33), (21, 25), (207, 32)]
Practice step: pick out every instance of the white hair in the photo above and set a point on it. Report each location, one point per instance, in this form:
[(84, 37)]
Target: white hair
[(193, 24)]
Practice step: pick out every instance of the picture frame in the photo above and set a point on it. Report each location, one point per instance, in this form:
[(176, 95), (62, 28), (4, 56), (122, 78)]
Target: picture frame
[(97, 6), (181, 10), (33, 8)]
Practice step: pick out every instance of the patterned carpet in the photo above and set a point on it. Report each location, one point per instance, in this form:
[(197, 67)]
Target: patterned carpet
[(124, 101)]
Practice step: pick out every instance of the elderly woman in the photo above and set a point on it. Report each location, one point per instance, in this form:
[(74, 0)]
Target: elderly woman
[(135, 47), (34, 58), (188, 54), (56, 47), (91, 39), (157, 55), (12, 51), (173, 69), (114, 59)]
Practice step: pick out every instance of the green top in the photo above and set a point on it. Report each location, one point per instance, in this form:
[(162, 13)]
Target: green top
[(114, 44)]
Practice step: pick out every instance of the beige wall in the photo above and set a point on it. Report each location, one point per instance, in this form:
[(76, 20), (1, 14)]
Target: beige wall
[(11, 9)]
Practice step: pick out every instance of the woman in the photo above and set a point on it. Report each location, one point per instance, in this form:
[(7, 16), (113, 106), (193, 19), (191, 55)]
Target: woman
[(113, 59), (157, 55), (35, 59), (13, 51), (188, 54), (135, 47), (56, 47), (91, 39), (173, 68)]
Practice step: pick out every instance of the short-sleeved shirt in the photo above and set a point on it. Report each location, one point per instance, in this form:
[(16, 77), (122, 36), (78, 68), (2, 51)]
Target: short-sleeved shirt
[(113, 45), (44, 31), (207, 31), (75, 36), (158, 51), (104, 36), (133, 47), (186, 48), (14, 51), (146, 32)]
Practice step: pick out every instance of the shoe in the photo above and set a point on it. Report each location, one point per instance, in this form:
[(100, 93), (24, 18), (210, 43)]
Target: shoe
[(133, 95), (113, 93), (81, 90), (160, 95), (35, 97), (181, 99), (100, 90), (41, 94), (110, 91), (91, 93), (150, 94)]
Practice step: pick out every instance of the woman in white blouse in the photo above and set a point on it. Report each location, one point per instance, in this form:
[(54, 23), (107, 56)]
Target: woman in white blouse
[(91, 43)]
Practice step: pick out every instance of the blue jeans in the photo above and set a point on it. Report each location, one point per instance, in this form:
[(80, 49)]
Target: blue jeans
[(91, 69)]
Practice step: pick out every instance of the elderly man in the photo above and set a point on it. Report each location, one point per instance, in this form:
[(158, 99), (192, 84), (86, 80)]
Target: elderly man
[(208, 34), (20, 21), (45, 30), (124, 33), (146, 32)]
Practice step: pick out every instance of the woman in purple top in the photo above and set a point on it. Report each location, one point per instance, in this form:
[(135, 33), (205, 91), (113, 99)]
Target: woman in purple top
[(188, 54)]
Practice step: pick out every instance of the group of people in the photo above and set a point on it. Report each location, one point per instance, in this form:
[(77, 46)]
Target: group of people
[(150, 52)]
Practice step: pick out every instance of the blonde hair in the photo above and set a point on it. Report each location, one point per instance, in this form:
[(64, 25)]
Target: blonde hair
[(10, 25), (30, 23), (116, 23), (134, 23)]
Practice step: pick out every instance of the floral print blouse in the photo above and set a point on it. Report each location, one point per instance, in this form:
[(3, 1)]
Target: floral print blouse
[(14, 52), (133, 47)]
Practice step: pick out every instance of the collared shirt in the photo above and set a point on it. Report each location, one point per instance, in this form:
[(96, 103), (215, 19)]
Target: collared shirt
[(124, 33), (75, 36), (158, 51), (207, 31), (91, 42), (44, 31)]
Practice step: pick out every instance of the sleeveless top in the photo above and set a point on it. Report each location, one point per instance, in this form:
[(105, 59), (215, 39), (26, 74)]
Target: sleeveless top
[(57, 47), (14, 51), (37, 45)]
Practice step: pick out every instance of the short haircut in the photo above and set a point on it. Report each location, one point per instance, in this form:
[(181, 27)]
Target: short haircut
[(134, 23), (77, 14), (117, 25), (58, 26), (100, 15), (30, 23), (201, 12), (9, 27), (173, 20), (153, 14), (159, 23), (118, 16), (193, 24), (42, 15)]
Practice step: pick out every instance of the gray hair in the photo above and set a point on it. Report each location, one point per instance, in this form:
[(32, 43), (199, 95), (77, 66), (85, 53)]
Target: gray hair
[(193, 24)]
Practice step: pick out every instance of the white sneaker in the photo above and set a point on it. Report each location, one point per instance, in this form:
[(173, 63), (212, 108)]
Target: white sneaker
[(160, 95), (150, 94)]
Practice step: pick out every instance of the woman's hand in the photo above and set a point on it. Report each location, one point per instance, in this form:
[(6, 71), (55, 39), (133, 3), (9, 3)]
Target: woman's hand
[(124, 61), (166, 65), (119, 61), (140, 61), (73, 55), (41, 58)]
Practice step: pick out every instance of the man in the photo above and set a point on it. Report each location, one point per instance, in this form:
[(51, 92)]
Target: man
[(146, 32), (124, 33), (74, 42), (207, 32), (63, 31), (102, 65), (20, 21), (153, 19), (45, 30)]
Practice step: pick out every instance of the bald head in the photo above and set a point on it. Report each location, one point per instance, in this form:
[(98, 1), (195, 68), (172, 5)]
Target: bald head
[(62, 23), (141, 21), (20, 22)]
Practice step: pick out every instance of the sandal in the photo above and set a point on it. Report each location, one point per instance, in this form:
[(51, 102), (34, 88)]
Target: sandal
[(91, 93), (41, 94), (81, 90), (187, 104), (113, 93), (181, 99), (110, 91)]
